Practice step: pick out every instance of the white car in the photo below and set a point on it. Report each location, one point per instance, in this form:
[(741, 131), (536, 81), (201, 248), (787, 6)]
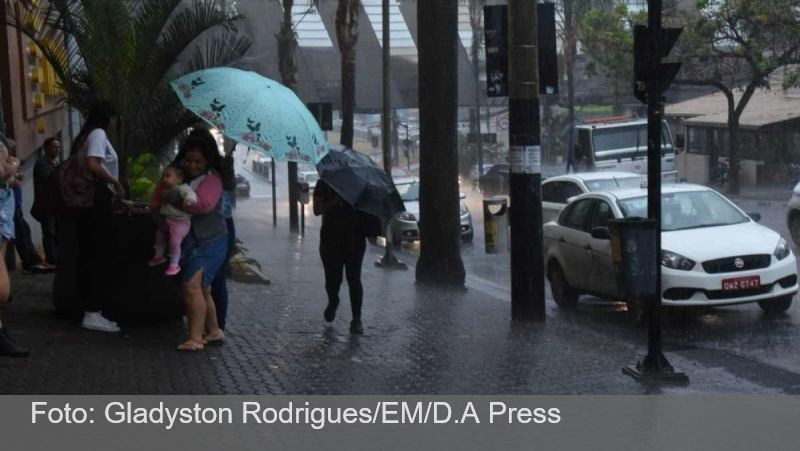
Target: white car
[(713, 253), (793, 215), (556, 191)]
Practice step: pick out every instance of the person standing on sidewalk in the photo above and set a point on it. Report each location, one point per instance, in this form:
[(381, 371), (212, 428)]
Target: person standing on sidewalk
[(41, 209), (31, 260), (8, 170), (219, 287), (206, 247), (95, 224), (341, 246)]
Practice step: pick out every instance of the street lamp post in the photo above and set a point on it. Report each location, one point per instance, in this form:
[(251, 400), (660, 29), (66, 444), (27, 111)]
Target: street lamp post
[(388, 261)]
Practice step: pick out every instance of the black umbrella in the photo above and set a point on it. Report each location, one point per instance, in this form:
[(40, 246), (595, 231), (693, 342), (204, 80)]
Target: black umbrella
[(360, 182)]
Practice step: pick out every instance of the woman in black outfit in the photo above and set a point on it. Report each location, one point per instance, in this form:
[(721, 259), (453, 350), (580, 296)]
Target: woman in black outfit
[(342, 244)]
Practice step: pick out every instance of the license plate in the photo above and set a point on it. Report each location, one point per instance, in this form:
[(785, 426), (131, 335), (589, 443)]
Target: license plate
[(741, 283)]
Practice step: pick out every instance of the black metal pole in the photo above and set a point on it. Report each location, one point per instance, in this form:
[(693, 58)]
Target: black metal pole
[(388, 261), (274, 196), (655, 366), (527, 267), (655, 361)]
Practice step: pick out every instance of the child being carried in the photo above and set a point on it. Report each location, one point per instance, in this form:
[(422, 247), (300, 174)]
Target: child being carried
[(176, 222)]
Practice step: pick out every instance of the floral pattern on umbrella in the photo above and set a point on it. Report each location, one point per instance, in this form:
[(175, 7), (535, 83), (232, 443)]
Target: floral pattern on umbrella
[(254, 110)]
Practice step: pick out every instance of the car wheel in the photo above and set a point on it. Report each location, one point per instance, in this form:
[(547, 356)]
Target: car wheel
[(794, 228), (564, 295), (776, 306), (468, 237)]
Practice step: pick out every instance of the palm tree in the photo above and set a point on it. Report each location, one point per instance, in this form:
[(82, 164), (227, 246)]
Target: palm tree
[(440, 250), (127, 51), (347, 13)]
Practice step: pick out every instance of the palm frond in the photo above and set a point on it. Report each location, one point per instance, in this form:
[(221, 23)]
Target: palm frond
[(222, 49), (181, 33)]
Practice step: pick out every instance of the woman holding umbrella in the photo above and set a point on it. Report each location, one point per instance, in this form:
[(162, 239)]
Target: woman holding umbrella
[(341, 246), (351, 195)]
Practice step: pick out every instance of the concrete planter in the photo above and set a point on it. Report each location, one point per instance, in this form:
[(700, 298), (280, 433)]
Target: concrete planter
[(138, 293)]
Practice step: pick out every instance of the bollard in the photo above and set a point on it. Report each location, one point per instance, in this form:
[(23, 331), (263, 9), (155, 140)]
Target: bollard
[(304, 198), (495, 225)]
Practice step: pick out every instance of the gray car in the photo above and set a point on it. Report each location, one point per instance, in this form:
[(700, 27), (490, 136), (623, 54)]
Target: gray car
[(405, 226)]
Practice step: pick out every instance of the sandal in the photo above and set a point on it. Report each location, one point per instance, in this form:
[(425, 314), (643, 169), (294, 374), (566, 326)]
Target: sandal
[(191, 346), (215, 341)]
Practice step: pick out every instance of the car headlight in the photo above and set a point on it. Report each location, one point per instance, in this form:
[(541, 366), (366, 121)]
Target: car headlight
[(406, 216), (464, 209), (782, 250), (672, 260)]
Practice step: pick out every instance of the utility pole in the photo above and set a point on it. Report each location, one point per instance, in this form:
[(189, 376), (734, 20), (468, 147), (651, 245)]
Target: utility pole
[(527, 265), (388, 261), (652, 78)]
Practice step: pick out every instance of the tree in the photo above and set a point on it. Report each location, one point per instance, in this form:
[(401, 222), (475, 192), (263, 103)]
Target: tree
[(740, 43), (570, 31), (440, 251), (608, 40), (476, 23), (726, 44), (287, 65), (126, 52), (347, 13), (287, 47)]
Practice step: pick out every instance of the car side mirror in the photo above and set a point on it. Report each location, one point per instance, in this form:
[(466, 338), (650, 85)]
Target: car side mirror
[(755, 216), (601, 233)]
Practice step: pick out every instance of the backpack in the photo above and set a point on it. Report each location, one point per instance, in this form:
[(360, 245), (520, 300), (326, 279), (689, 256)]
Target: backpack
[(71, 185)]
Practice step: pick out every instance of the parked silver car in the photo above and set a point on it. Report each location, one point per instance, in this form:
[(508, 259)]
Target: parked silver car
[(405, 226)]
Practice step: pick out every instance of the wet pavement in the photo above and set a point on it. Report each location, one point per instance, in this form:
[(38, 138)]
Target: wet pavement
[(418, 340)]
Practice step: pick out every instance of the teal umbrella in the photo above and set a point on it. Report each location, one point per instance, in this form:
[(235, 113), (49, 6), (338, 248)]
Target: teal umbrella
[(254, 110)]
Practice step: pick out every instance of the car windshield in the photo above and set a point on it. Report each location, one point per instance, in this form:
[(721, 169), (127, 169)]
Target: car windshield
[(614, 183), (409, 192), (687, 210)]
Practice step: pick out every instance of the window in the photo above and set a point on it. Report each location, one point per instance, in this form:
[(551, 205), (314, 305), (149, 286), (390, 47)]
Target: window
[(687, 210), (310, 29), (550, 192), (401, 41), (626, 142), (570, 190), (560, 192), (614, 183), (602, 214), (576, 217)]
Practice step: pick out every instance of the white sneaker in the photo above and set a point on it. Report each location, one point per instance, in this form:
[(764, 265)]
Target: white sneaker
[(97, 322)]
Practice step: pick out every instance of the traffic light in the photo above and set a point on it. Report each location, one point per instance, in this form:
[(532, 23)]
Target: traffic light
[(643, 51)]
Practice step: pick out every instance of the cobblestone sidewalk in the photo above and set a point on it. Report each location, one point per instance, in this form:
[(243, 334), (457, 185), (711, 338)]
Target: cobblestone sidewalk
[(417, 341)]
